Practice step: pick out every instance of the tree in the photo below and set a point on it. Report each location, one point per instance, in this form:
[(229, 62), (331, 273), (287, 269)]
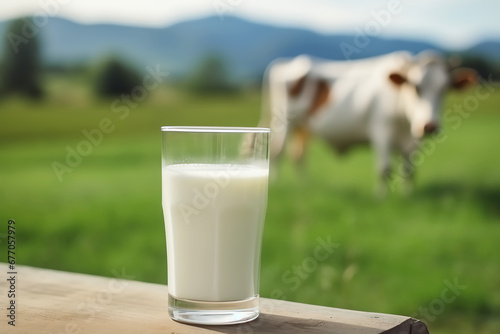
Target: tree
[(211, 77), (482, 65), (21, 60), (115, 78)]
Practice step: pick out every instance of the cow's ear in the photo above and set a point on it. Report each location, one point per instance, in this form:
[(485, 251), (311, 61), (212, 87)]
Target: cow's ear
[(397, 78), (462, 78)]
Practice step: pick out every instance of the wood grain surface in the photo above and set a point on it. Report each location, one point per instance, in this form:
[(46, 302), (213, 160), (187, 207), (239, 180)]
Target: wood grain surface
[(49, 301)]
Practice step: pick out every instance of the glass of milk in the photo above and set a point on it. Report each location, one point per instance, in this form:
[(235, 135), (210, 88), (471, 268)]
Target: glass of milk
[(214, 196)]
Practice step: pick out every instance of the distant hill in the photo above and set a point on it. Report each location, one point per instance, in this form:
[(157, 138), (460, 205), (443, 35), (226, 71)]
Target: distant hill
[(246, 46), (489, 49)]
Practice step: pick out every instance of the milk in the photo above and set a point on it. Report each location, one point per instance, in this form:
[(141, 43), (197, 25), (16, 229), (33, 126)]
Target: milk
[(214, 217)]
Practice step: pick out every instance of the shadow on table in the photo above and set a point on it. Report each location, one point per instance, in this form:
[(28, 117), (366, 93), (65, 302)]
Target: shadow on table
[(270, 323)]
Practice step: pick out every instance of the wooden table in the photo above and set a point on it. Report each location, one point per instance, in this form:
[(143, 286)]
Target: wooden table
[(49, 301)]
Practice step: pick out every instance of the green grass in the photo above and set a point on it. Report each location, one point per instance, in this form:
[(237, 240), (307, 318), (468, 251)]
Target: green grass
[(392, 255)]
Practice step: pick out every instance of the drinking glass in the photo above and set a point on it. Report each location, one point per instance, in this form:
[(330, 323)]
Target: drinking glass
[(214, 197)]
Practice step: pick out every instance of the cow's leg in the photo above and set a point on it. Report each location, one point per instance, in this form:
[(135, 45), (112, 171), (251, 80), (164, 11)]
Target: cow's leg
[(301, 138), (382, 148), (278, 142), (408, 172), (384, 172), (279, 137), (407, 169)]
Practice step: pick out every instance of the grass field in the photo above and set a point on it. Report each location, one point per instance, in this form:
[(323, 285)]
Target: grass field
[(397, 255)]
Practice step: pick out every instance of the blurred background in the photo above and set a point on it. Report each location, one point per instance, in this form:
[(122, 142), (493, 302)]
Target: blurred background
[(86, 85)]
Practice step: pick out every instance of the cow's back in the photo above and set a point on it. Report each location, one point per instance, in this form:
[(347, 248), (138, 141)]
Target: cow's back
[(360, 94)]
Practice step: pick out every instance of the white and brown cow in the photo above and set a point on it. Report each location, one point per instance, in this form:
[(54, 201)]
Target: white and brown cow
[(390, 101)]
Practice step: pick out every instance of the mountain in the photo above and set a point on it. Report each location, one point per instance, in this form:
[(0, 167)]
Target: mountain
[(489, 49), (246, 46)]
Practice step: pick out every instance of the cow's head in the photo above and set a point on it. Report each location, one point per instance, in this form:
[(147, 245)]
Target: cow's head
[(422, 84)]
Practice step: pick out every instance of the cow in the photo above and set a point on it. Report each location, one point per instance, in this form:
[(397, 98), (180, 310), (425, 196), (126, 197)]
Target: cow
[(390, 101)]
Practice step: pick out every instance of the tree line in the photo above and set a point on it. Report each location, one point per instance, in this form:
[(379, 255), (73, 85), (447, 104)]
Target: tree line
[(22, 69)]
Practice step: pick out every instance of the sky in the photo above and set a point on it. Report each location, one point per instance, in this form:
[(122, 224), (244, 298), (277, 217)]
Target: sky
[(452, 23)]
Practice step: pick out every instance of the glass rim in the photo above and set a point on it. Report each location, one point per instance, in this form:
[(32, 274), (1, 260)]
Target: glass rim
[(215, 129)]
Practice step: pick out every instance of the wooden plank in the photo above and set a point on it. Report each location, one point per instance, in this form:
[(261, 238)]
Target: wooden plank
[(49, 301)]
